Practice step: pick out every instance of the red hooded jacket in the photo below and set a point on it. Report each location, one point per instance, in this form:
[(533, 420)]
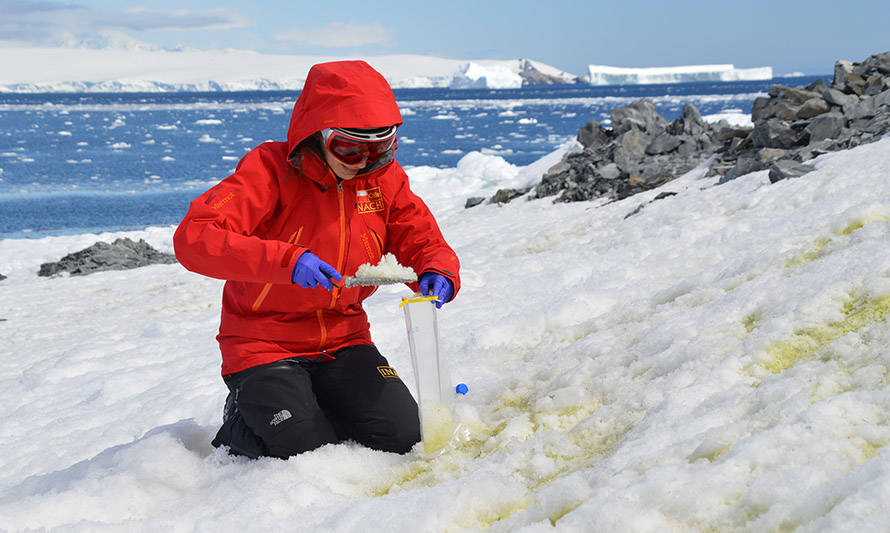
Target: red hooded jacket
[(251, 228)]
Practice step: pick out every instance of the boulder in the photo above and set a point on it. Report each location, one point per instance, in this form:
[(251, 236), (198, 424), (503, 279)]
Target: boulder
[(122, 254), (773, 133), (641, 115), (505, 196), (787, 168), (2, 277), (592, 134), (827, 126), (845, 101), (630, 148), (663, 143), (473, 201), (817, 86), (812, 108), (693, 124)]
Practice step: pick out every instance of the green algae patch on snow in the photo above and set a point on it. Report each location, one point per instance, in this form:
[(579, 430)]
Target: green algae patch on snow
[(825, 245), (808, 343)]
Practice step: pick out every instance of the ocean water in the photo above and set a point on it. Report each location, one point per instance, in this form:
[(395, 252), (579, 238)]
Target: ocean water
[(78, 163)]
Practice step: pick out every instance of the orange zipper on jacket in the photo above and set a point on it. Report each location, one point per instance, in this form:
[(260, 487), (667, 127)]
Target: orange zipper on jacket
[(263, 293), (341, 252), (324, 330)]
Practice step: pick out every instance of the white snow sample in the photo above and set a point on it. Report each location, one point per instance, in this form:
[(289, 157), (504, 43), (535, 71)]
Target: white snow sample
[(493, 76), (387, 268), (605, 75)]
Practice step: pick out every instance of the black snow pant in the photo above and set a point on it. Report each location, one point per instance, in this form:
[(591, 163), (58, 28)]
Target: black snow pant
[(294, 405)]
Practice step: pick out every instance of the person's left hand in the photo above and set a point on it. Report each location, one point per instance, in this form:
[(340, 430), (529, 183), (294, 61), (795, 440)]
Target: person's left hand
[(432, 284)]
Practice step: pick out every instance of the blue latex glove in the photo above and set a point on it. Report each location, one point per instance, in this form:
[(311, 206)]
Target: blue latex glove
[(310, 272), (432, 284)]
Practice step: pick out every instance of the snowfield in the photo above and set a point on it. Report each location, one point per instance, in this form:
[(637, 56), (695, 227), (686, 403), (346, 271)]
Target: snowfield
[(718, 361)]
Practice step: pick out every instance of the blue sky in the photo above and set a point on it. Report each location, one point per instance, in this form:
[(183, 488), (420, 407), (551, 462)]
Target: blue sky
[(805, 36)]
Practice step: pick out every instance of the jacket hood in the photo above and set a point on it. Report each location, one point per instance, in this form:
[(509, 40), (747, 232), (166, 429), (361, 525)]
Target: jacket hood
[(342, 94)]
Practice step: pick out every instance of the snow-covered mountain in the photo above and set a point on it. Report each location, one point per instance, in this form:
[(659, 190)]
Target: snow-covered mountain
[(605, 75), (130, 66)]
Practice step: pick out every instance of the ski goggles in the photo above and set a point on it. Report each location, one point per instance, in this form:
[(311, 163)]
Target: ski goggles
[(355, 146)]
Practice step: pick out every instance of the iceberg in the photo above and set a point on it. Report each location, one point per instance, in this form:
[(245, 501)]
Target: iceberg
[(474, 75), (604, 75)]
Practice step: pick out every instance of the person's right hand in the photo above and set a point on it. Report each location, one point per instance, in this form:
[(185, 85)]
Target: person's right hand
[(310, 272)]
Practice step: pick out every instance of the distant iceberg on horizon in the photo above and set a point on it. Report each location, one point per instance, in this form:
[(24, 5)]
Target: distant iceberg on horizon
[(605, 75)]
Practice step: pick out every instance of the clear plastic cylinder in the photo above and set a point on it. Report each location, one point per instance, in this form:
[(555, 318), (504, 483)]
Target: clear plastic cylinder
[(434, 391)]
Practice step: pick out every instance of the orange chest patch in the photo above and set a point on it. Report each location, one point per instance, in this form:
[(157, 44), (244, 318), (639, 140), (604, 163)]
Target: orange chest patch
[(369, 200)]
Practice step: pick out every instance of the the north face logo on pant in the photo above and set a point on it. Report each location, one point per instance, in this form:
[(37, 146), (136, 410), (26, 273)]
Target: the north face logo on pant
[(280, 417)]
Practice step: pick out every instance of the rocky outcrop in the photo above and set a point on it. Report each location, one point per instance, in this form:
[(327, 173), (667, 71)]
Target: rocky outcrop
[(532, 75), (641, 151), (795, 124), (122, 254), (2, 277), (792, 125)]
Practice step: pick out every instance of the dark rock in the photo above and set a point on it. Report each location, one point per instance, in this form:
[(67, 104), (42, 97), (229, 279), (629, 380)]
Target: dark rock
[(474, 201), (785, 111), (817, 86), (693, 124), (663, 143), (792, 95), (663, 195), (837, 98), (592, 134), (2, 277), (814, 150), (726, 132), (878, 125), (865, 108), (745, 164), (641, 115), (505, 196), (767, 155), (630, 148), (760, 110), (773, 133), (122, 254), (880, 63), (874, 85), (812, 108), (791, 126), (827, 126), (842, 69), (786, 168)]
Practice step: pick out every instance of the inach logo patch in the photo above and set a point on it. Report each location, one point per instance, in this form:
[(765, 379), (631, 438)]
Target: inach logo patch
[(224, 201), (369, 201), (387, 372)]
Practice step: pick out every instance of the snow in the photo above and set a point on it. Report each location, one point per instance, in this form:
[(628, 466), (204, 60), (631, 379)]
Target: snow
[(605, 75), (387, 268), (150, 70), (718, 361)]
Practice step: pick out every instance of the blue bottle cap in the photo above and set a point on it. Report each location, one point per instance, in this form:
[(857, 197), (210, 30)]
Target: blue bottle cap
[(461, 388)]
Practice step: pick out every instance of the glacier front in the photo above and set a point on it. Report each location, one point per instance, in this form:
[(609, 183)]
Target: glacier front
[(605, 75)]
